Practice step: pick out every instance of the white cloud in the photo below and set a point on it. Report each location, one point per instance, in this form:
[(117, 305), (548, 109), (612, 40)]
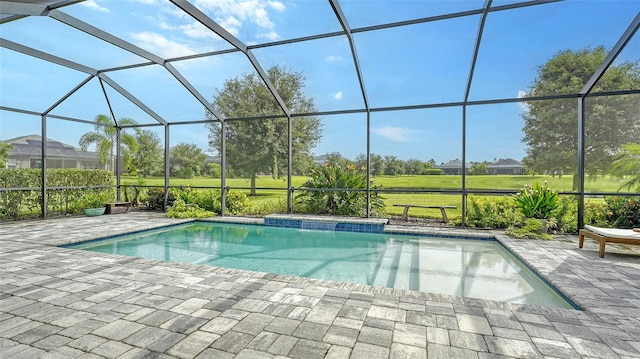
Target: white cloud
[(271, 35), (332, 58), (91, 4), (233, 14), (397, 134), (277, 6), (160, 45), (338, 95)]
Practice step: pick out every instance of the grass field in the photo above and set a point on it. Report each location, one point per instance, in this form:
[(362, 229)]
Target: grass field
[(277, 188)]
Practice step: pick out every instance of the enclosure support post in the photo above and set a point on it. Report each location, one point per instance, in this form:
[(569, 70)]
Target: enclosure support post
[(223, 168), (464, 164), (289, 164), (581, 161), (166, 167), (43, 190), (117, 164), (368, 163)]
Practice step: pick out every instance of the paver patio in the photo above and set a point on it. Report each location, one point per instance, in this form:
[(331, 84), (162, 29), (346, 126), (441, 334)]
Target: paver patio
[(66, 303)]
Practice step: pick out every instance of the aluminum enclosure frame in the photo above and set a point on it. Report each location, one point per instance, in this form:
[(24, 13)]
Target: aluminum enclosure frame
[(14, 11)]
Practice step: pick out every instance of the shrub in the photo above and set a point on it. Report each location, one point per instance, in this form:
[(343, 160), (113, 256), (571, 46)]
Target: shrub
[(340, 175), (564, 218), (155, 198), (180, 209), (268, 207), (236, 202), (491, 213), (27, 203), (595, 214), (537, 201), (623, 212), (532, 228)]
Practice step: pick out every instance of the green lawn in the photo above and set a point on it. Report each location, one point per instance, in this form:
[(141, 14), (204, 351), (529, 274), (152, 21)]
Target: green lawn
[(278, 188)]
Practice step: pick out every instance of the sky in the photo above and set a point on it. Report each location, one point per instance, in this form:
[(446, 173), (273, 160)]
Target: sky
[(426, 63)]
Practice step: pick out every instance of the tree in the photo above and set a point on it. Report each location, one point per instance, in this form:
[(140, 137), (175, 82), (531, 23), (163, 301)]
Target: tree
[(376, 163), (628, 163), (148, 158), (550, 126), (4, 153), (335, 158), (479, 168), (413, 167), (104, 138), (186, 160), (261, 145), (393, 166)]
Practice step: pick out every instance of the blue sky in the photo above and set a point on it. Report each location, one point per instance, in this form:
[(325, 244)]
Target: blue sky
[(418, 64)]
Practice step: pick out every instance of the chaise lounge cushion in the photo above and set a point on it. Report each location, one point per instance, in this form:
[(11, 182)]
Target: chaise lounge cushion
[(614, 232)]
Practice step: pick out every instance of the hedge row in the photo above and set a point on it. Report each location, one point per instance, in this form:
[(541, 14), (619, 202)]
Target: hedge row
[(26, 203)]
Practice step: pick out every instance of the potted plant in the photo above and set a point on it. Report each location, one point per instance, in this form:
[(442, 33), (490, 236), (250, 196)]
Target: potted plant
[(94, 203)]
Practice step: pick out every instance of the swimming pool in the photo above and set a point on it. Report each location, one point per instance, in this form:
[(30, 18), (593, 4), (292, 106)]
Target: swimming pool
[(475, 268)]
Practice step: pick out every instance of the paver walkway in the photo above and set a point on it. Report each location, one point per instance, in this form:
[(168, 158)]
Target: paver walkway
[(66, 303)]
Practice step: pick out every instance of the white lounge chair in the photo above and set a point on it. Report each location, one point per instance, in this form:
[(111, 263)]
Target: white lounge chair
[(612, 235)]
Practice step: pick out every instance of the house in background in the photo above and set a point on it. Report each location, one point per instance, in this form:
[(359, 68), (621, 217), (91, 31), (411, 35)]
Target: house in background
[(27, 153), (507, 166), (454, 167)]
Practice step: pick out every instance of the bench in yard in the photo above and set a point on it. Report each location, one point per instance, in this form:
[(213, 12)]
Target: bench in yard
[(405, 214), (118, 207)]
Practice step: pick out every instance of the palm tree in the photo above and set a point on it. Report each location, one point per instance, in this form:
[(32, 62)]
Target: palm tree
[(628, 162), (104, 137)]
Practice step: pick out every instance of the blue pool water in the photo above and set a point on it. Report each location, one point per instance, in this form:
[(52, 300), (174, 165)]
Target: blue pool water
[(470, 268)]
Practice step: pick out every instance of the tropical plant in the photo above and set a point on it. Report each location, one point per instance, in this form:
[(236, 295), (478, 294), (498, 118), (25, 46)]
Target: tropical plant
[(537, 201), (104, 137), (338, 189), (627, 162)]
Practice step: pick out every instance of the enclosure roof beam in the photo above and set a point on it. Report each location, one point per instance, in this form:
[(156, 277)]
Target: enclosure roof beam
[(8, 44), (347, 30), (611, 56), (131, 98), (63, 98), (193, 91), (476, 49), (104, 36), (23, 9), (205, 20)]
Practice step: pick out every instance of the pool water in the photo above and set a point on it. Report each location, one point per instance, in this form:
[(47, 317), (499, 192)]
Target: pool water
[(481, 269)]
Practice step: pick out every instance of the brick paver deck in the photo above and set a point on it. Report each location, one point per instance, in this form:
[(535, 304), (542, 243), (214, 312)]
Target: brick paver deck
[(66, 303)]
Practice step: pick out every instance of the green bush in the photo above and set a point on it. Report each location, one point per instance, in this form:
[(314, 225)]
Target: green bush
[(268, 207), (623, 212), (180, 209), (236, 202), (26, 203), (537, 201), (564, 218), (491, 213), (154, 198), (341, 175), (531, 228), (595, 214)]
